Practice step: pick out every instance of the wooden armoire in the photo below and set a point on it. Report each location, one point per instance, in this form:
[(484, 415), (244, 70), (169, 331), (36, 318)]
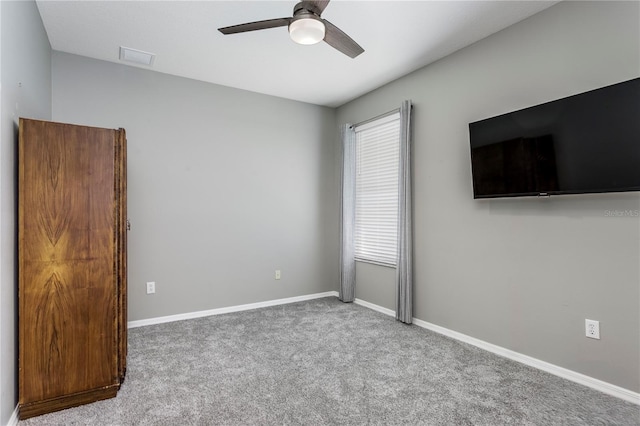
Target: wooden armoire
[(72, 254)]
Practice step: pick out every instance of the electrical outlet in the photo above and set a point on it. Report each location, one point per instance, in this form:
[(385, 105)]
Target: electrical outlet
[(277, 276), (592, 328), (151, 287)]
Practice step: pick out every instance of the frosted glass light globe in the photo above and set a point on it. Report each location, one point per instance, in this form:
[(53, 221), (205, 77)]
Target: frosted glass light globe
[(306, 31)]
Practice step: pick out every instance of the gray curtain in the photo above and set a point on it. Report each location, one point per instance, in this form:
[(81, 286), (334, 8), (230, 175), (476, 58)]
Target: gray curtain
[(404, 268), (348, 215)]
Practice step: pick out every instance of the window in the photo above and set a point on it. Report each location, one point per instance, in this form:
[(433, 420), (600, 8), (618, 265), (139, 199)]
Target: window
[(377, 158)]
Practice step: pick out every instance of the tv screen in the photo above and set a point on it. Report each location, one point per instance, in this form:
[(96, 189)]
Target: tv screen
[(586, 143)]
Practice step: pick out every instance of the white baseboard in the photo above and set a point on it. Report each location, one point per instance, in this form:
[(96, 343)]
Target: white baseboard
[(574, 376), (227, 310), (13, 420)]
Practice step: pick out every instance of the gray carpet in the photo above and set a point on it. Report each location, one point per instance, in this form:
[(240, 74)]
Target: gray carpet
[(324, 362)]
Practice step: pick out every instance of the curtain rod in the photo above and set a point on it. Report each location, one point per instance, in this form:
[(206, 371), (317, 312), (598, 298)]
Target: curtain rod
[(353, 126)]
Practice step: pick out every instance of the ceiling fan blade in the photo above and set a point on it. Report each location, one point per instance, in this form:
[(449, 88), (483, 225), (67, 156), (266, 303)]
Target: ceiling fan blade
[(253, 26), (337, 39), (320, 4)]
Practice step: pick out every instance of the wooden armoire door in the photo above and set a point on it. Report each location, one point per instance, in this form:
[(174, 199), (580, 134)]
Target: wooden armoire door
[(72, 265)]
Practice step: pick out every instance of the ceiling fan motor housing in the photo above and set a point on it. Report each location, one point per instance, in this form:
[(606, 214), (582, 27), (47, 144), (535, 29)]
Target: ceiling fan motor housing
[(308, 7)]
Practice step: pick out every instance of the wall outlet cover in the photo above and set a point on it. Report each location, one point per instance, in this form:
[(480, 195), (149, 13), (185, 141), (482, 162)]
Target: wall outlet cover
[(592, 328)]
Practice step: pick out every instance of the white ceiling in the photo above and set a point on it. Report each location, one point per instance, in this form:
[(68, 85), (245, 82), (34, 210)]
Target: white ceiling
[(398, 37)]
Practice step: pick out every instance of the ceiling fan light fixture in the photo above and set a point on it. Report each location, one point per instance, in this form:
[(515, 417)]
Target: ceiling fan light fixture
[(305, 27), (307, 30)]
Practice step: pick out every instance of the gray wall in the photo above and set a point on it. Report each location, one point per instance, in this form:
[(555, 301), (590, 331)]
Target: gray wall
[(25, 72), (525, 273), (225, 186)]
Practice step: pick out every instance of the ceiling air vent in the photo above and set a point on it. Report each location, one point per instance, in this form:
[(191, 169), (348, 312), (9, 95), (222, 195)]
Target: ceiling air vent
[(136, 56)]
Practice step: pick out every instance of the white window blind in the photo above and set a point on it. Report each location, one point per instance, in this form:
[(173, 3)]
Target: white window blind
[(377, 158)]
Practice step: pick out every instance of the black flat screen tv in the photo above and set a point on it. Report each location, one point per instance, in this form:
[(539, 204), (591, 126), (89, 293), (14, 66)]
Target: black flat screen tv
[(586, 143)]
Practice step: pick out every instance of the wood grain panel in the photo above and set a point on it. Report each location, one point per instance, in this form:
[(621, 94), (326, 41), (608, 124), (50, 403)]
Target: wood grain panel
[(70, 264), (102, 353)]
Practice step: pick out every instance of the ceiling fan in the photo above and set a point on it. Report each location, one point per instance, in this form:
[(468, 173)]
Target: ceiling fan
[(305, 27)]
